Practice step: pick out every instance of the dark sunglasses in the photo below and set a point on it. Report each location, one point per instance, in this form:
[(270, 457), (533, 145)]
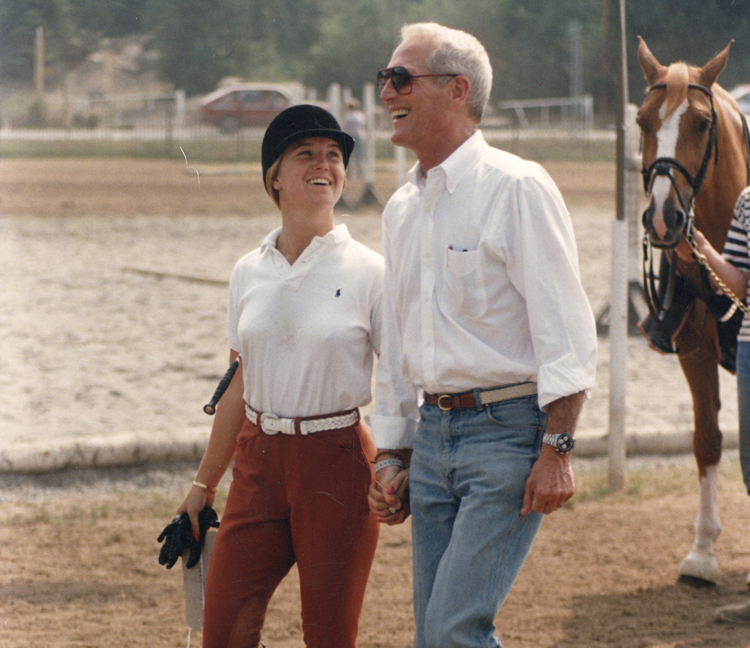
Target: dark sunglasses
[(401, 79)]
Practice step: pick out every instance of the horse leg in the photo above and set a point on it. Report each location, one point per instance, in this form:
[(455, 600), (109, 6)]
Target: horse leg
[(697, 357)]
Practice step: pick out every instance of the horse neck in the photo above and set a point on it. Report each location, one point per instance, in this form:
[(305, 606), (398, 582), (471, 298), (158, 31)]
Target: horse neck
[(726, 179)]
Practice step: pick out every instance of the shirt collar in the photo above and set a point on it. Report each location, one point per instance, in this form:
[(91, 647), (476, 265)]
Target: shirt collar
[(338, 234), (456, 165)]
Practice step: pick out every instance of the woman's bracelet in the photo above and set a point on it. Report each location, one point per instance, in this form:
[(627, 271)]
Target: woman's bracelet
[(388, 462), (388, 452), (204, 486)]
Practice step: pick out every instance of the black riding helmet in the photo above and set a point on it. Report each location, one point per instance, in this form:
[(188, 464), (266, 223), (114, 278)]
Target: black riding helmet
[(299, 122)]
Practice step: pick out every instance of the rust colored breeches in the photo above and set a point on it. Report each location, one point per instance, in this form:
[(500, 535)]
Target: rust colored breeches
[(293, 499)]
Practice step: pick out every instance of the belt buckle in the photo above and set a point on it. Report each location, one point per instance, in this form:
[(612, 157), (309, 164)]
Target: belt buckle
[(269, 423), (440, 405)]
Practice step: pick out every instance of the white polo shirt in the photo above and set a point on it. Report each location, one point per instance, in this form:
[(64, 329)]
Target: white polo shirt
[(307, 332), (482, 288)]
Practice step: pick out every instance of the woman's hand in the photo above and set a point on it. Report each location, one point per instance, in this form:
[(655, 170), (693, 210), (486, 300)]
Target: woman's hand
[(195, 501), (389, 495), (704, 247)]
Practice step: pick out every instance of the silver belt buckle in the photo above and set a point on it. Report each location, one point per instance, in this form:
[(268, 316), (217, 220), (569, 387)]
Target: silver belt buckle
[(272, 424), (269, 423)]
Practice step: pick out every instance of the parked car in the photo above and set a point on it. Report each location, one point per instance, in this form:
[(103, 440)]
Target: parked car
[(741, 95), (248, 104)]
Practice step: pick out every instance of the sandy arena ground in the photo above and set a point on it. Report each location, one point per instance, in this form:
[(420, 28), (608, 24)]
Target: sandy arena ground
[(112, 323)]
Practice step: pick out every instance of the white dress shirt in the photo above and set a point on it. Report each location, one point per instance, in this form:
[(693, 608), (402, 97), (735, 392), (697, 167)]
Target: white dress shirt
[(307, 332), (482, 288)]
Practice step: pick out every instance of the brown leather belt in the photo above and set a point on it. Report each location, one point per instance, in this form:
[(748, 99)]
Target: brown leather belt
[(480, 397)]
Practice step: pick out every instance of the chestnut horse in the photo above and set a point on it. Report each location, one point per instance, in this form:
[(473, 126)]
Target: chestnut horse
[(695, 164)]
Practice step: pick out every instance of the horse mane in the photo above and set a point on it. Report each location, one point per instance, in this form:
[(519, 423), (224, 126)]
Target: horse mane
[(677, 86)]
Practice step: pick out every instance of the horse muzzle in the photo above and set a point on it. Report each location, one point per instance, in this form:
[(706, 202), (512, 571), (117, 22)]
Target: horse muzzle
[(666, 227)]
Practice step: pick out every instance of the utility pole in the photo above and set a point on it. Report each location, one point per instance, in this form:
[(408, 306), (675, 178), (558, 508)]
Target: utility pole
[(39, 62), (618, 314), (575, 35)]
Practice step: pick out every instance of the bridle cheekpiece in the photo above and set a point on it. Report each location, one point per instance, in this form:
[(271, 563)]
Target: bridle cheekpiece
[(664, 166)]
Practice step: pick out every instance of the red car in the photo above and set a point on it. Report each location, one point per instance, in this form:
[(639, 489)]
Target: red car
[(249, 104)]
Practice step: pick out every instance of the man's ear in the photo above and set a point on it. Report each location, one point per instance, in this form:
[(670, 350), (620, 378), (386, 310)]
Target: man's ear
[(460, 88)]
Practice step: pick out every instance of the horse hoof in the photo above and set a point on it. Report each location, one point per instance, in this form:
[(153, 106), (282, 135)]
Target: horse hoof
[(697, 567), (697, 583)]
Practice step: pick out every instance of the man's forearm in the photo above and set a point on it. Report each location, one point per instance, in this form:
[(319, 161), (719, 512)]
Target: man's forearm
[(563, 413)]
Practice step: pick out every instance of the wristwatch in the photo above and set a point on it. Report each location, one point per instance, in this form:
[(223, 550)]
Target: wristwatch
[(562, 442)]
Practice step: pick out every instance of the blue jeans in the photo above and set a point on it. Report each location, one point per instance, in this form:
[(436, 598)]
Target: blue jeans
[(743, 404), (467, 480)]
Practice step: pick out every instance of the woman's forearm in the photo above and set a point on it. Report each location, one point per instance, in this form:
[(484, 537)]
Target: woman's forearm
[(733, 277), (228, 421)]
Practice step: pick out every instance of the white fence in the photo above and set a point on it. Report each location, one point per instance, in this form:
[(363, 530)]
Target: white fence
[(560, 112)]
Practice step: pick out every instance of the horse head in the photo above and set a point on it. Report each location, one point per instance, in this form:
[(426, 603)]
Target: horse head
[(679, 133)]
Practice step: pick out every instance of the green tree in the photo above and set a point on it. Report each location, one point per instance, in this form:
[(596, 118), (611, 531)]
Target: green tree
[(526, 40), (119, 18), (689, 30), (282, 34), (19, 20), (200, 41), (356, 40)]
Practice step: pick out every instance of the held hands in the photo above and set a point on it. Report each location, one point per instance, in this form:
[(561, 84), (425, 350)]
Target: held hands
[(550, 484), (389, 495)]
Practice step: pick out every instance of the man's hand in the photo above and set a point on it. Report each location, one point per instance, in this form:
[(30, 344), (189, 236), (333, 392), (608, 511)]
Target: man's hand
[(389, 495), (550, 484)]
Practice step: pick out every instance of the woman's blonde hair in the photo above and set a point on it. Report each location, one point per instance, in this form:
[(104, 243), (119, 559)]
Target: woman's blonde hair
[(271, 175)]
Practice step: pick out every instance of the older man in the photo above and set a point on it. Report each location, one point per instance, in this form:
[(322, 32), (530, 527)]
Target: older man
[(485, 315)]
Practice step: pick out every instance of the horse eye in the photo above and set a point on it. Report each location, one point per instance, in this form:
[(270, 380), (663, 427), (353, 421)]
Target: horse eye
[(704, 125)]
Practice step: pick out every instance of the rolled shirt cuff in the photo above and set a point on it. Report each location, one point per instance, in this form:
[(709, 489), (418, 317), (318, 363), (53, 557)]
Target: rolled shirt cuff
[(392, 432)]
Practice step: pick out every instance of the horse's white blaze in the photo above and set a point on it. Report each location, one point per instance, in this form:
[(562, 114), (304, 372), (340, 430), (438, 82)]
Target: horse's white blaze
[(701, 561), (666, 147)]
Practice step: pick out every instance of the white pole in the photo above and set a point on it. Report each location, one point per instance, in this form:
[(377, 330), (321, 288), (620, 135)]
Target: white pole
[(618, 347), (334, 100), (39, 61), (368, 94), (400, 165), (618, 309), (179, 97)]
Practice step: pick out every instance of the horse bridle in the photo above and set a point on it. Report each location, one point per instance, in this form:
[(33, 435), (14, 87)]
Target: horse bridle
[(664, 166)]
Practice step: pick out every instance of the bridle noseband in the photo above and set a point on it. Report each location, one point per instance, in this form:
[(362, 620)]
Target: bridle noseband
[(664, 166)]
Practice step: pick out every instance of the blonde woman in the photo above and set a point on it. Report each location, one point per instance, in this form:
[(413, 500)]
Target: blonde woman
[(304, 317)]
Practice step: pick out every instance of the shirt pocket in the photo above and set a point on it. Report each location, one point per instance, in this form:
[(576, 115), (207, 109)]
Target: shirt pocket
[(464, 293)]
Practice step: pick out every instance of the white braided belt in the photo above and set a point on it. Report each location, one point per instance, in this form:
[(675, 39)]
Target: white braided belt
[(272, 424)]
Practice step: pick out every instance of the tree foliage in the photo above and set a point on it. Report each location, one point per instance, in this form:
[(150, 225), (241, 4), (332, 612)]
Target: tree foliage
[(319, 42), (19, 20)]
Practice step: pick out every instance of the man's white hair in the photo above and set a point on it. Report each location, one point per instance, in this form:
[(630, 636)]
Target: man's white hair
[(456, 52)]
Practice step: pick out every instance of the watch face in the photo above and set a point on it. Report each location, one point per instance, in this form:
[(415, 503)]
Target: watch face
[(565, 443)]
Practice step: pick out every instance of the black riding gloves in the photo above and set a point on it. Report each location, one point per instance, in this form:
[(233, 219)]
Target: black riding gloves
[(178, 536)]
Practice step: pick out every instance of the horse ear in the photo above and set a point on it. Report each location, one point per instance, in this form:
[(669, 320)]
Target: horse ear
[(652, 69), (711, 70)]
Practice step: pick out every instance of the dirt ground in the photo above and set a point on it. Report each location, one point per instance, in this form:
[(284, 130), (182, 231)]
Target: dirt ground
[(111, 322)]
